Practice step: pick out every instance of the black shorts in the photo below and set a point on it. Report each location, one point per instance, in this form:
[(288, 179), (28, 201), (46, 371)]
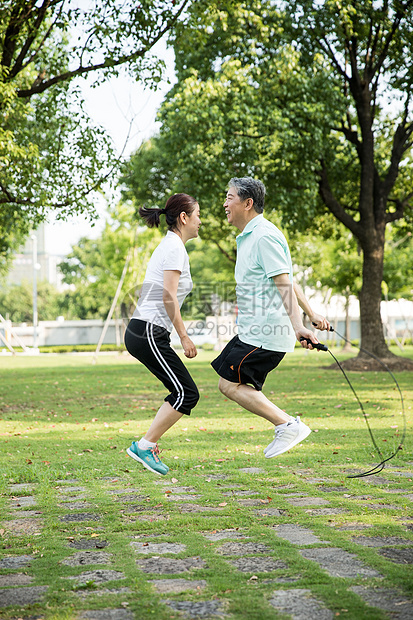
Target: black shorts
[(244, 363), (150, 344)]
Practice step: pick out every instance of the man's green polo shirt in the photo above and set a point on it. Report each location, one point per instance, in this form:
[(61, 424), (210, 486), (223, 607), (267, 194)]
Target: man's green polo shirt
[(262, 252)]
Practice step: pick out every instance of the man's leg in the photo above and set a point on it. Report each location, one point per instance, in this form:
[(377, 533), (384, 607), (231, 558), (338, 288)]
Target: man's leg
[(254, 401), (288, 431)]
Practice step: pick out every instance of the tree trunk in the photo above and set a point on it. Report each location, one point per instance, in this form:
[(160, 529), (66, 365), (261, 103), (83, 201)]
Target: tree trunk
[(347, 330), (372, 335)]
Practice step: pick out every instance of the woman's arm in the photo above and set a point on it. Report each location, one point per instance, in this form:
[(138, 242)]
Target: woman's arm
[(170, 300)]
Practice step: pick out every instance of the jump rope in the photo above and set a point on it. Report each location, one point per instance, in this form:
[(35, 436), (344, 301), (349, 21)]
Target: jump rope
[(380, 466)]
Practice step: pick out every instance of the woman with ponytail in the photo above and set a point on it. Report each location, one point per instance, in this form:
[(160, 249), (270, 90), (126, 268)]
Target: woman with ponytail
[(167, 283)]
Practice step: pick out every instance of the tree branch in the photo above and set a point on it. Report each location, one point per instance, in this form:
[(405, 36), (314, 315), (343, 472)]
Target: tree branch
[(224, 252), (401, 143), (33, 29), (334, 206), (400, 208), (40, 86), (400, 13)]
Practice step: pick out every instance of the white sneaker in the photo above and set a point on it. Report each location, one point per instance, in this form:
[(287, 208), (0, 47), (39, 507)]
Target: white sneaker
[(287, 436)]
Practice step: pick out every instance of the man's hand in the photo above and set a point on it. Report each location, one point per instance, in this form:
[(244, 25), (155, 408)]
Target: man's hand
[(319, 322), (306, 333), (188, 347)]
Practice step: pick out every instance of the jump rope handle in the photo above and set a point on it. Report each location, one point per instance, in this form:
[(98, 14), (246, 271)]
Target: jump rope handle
[(320, 346)]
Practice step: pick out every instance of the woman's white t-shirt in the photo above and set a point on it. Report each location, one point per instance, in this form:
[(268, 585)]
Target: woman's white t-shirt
[(169, 255)]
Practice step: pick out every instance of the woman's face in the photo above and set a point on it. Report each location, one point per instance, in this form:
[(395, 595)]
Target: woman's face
[(193, 223)]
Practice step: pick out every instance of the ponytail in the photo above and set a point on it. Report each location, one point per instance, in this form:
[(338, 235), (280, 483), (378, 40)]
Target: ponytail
[(151, 216), (175, 205)]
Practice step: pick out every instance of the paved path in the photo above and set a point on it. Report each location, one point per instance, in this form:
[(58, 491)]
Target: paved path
[(178, 571)]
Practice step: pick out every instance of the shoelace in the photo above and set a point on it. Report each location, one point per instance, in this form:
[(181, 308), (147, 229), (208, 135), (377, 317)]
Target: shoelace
[(155, 452)]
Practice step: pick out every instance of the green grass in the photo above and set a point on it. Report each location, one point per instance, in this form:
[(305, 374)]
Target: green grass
[(63, 417)]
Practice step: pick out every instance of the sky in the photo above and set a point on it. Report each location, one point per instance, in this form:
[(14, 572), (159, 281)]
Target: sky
[(127, 111)]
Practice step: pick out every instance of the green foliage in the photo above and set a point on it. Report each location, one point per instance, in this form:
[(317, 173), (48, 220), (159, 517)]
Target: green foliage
[(52, 155), (16, 302)]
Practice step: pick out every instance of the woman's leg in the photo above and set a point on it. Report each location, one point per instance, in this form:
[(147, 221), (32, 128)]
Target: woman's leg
[(165, 418)]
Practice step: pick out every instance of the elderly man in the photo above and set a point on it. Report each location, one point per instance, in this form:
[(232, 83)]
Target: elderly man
[(269, 316)]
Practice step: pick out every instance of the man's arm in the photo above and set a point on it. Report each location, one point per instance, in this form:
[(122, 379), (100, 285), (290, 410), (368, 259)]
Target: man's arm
[(289, 299), (316, 319)]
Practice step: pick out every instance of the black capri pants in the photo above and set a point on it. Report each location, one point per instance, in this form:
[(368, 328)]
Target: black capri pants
[(150, 344)]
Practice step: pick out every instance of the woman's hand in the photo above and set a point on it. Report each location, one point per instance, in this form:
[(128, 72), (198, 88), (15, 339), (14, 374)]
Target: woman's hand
[(188, 347)]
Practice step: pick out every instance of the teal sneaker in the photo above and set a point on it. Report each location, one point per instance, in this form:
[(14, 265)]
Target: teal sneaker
[(149, 458)]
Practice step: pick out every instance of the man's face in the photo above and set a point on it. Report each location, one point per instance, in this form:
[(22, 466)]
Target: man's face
[(235, 209)]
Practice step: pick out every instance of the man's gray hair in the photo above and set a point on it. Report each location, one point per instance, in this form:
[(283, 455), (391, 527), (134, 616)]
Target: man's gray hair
[(247, 187)]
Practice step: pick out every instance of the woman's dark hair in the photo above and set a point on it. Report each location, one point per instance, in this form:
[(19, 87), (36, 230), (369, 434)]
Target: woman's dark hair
[(175, 205)]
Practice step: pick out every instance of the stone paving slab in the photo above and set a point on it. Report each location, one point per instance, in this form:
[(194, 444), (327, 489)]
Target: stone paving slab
[(157, 548), (150, 517), (21, 596), (320, 512), (333, 489), (398, 556), (71, 490), (17, 561), (339, 563), (23, 527), (97, 576), (354, 526), (252, 470), (22, 502), (223, 534), (257, 565), (107, 614), (297, 535), (176, 586), (197, 609), (178, 498), (79, 517), (71, 498), (168, 566), (400, 606), (381, 541), (252, 502), (82, 505), (300, 605), (84, 594), (21, 486), (176, 489), (233, 548), (88, 543), (137, 508), (308, 501), (271, 512), (239, 493), (188, 508), (15, 579), (87, 557), (135, 493)]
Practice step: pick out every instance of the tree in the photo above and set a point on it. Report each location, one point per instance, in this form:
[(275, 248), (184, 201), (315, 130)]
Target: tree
[(301, 98), (16, 302), (51, 154)]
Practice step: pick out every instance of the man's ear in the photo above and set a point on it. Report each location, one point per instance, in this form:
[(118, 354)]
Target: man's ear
[(249, 204)]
